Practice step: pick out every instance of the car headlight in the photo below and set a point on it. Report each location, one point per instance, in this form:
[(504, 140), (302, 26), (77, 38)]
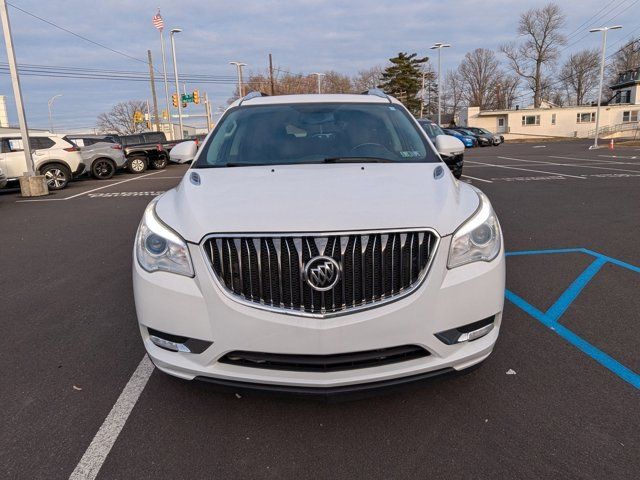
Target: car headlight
[(477, 239), (158, 248)]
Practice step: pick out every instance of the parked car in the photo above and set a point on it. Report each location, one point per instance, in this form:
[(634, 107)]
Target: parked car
[(318, 245), (148, 149), (54, 157), (101, 156), (483, 139), (495, 139), (467, 140), (453, 156)]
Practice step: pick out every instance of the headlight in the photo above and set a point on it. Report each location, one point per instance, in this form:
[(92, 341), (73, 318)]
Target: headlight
[(477, 239), (158, 248)]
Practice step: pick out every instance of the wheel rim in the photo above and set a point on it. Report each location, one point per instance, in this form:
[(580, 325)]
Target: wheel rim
[(103, 168), (55, 178), (137, 165)]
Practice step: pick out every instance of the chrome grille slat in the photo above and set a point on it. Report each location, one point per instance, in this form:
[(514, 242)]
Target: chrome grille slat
[(267, 270)]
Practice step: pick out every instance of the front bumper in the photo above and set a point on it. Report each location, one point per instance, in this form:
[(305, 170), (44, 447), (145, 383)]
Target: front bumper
[(196, 308)]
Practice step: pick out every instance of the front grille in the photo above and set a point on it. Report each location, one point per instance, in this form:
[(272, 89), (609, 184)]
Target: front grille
[(325, 363), (268, 271)]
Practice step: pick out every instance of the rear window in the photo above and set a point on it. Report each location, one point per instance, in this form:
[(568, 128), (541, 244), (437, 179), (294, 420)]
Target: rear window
[(313, 133)]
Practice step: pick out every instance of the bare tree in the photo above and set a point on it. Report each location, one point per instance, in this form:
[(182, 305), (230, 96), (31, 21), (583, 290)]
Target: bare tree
[(579, 74), (480, 71), (334, 82), (542, 29), (366, 79), (506, 90), (453, 92), (120, 118)]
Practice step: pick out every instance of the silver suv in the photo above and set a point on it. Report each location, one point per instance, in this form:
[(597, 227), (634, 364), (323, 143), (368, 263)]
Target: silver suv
[(102, 156)]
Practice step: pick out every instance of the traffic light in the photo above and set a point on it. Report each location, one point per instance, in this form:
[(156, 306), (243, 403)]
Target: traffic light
[(175, 100), (196, 97), (138, 117), (165, 115)]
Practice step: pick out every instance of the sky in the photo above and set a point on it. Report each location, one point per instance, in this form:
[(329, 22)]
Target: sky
[(304, 36)]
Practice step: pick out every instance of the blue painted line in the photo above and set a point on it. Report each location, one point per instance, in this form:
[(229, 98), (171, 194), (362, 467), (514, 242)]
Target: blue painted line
[(570, 294), (615, 261), (598, 355)]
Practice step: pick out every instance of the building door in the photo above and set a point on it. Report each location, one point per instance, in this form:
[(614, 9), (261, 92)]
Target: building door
[(502, 125)]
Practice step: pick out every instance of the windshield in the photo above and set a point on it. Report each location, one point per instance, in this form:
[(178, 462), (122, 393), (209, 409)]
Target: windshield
[(432, 129), (315, 133)]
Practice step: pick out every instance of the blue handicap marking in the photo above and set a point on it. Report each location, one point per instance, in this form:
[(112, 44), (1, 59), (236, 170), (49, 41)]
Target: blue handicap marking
[(552, 315)]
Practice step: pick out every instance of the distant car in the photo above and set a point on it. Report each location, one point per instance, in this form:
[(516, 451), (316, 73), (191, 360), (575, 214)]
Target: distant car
[(57, 159), (495, 139), (454, 158), (102, 156), (483, 139), (468, 140), (147, 149)]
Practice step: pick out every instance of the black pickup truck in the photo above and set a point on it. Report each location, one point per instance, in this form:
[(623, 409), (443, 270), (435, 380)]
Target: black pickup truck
[(145, 150)]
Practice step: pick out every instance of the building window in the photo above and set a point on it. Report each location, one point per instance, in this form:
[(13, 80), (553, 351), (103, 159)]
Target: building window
[(530, 120), (630, 116), (553, 119), (586, 117)]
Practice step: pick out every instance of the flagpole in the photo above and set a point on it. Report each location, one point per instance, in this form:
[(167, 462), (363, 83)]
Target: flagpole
[(166, 85)]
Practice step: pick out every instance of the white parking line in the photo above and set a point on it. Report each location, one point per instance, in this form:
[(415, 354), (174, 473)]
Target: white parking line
[(528, 170), (88, 191), (590, 166), (96, 453), (478, 179)]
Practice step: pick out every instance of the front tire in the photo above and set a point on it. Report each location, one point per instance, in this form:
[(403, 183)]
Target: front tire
[(57, 175), (103, 169), (137, 164)]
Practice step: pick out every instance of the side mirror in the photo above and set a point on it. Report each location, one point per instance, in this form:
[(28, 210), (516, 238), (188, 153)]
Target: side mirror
[(448, 145), (183, 152)]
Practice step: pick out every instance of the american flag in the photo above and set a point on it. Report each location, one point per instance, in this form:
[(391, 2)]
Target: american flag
[(157, 21)]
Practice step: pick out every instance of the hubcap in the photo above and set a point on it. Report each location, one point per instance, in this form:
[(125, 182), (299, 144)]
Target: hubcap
[(55, 178), (137, 165)]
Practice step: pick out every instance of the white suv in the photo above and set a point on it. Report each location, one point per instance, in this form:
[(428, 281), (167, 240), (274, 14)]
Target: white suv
[(54, 157), (318, 244)]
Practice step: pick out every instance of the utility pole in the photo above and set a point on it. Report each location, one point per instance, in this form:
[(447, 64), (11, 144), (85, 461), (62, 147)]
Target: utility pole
[(604, 31), (153, 92), (30, 184), (422, 97), (207, 109), (273, 88), (439, 46), (50, 105), (175, 73)]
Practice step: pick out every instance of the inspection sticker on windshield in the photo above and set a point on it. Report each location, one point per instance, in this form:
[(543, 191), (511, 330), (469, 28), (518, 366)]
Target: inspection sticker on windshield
[(409, 154)]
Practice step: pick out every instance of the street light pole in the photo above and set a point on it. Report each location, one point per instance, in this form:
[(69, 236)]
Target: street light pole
[(239, 66), (604, 31), (439, 46), (175, 73), (50, 104), (166, 84), (319, 79)]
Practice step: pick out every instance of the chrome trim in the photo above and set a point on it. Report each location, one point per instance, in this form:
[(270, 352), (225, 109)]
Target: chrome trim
[(297, 313)]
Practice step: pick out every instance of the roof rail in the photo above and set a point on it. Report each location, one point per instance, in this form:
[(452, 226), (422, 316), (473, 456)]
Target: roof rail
[(377, 92), (251, 95)]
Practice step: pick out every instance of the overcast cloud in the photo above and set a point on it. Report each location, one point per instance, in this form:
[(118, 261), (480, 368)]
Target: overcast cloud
[(304, 36)]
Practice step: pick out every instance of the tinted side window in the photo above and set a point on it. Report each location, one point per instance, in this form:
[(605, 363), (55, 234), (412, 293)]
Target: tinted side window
[(154, 137), (41, 143)]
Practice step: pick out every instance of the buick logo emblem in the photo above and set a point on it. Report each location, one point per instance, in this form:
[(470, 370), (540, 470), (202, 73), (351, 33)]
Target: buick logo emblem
[(322, 273)]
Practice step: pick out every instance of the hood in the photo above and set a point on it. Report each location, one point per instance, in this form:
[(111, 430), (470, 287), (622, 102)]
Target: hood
[(316, 198)]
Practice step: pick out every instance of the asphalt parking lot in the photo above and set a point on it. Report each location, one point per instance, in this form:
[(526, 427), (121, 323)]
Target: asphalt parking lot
[(559, 397)]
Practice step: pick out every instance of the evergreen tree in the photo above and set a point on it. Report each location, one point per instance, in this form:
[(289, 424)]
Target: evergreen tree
[(403, 79)]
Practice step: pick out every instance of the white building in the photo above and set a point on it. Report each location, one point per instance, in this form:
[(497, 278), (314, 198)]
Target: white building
[(620, 117)]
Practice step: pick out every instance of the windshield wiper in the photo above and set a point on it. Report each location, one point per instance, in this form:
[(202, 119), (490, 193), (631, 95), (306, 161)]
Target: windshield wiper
[(357, 160)]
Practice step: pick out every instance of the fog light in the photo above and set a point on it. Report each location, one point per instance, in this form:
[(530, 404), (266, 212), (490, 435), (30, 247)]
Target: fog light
[(467, 333), (176, 343)]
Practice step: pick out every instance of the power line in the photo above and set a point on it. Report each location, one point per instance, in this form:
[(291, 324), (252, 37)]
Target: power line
[(583, 24), (76, 34)]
